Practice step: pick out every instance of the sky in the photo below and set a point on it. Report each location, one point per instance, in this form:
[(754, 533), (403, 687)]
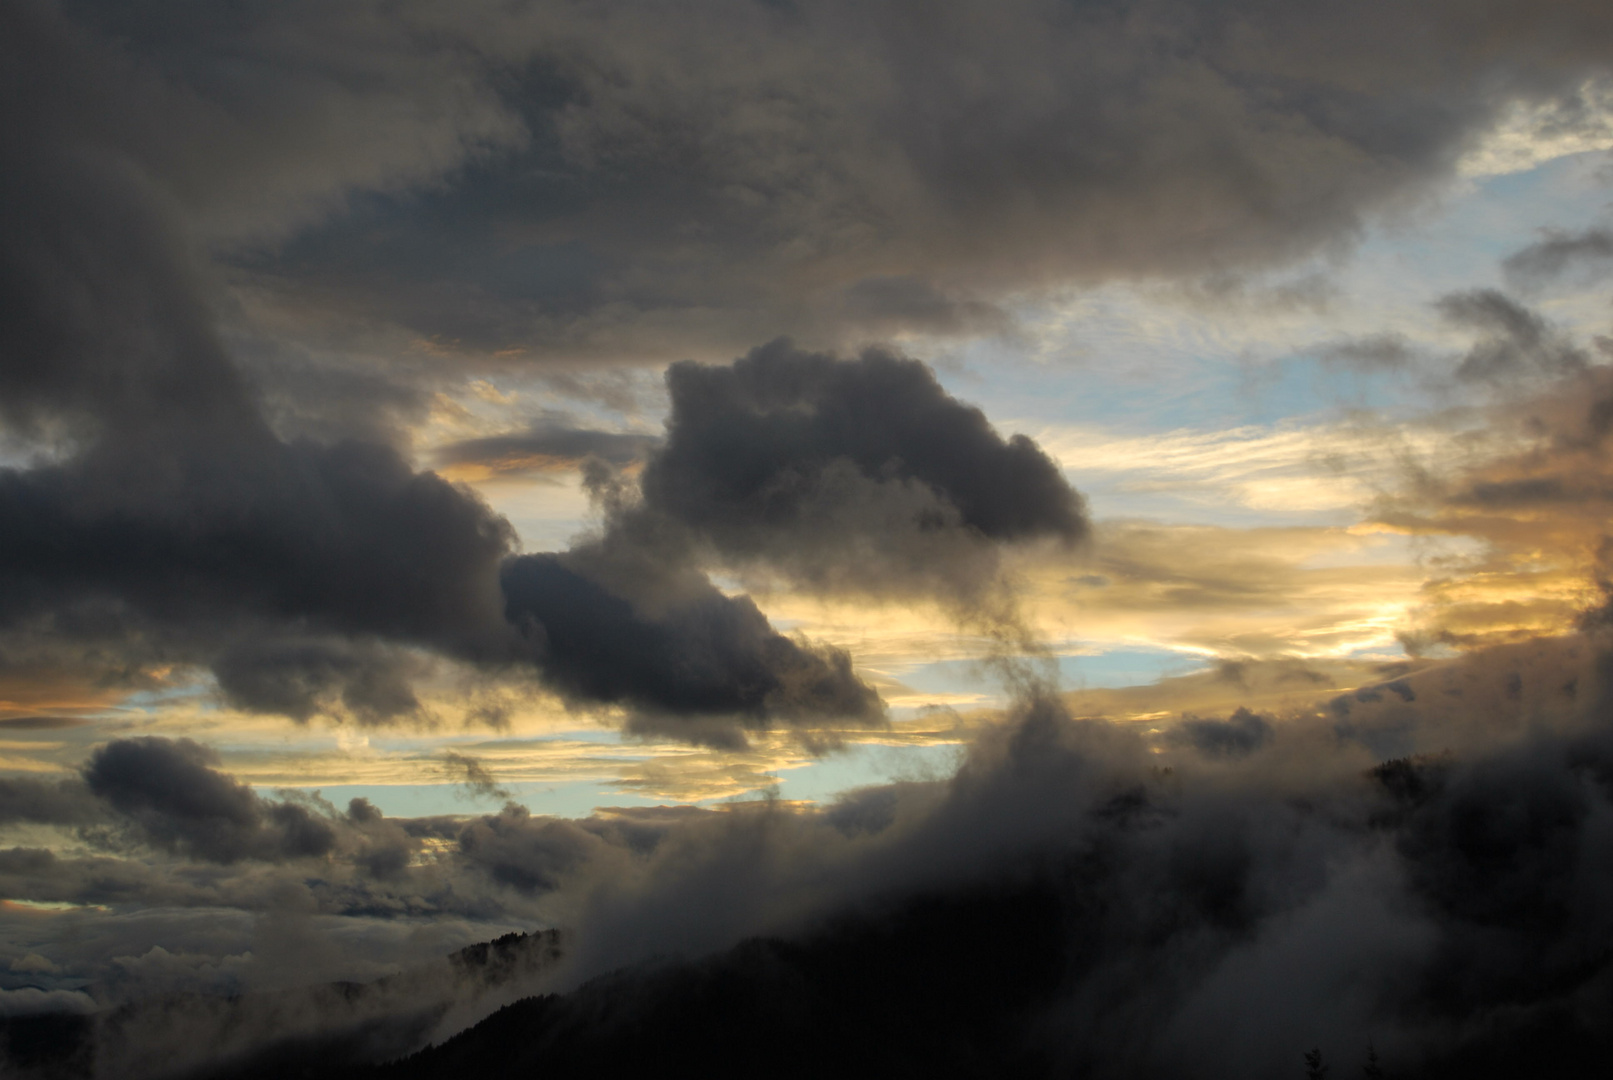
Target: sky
[(463, 466)]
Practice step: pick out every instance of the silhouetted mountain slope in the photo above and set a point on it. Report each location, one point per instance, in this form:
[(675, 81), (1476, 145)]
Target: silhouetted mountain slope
[(949, 986)]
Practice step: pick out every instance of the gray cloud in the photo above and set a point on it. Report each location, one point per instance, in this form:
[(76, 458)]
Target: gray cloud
[(176, 521), (629, 183), (850, 475), (1241, 733), (1515, 343), (1379, 352), (699, 654), (303, 678), (174, 791), (50, 802), (1558, 254), (168, 522), (747, 447)]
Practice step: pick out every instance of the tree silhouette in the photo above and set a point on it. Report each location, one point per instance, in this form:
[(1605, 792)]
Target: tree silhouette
[(1314, 1069), (1372, 1069)]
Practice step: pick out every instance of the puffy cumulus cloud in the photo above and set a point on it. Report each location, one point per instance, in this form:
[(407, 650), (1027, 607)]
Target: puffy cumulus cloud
[(171, 788), (848, 472)]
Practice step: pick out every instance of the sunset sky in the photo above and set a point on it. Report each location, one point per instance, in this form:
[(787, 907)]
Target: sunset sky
[(568, 410)]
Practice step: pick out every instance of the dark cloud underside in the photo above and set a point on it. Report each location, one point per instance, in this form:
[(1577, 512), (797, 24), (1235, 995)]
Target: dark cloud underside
[(632, 181), (748, 447), (705, 654)]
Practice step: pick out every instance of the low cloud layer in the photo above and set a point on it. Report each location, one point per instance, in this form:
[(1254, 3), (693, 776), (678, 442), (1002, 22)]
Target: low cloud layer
[(1416, 865)]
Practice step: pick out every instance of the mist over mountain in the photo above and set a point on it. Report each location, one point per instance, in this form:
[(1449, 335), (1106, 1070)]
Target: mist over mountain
[(1213, 904)]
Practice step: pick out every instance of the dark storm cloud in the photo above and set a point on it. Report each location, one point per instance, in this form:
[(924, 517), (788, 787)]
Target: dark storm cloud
[(748, 446), (857, 474), (939, 154), (1558, 254), (228, 555), (168, 514), (302, 678), (630, 181), (47, 802), (700, 654), (172, 522), (174, 790)]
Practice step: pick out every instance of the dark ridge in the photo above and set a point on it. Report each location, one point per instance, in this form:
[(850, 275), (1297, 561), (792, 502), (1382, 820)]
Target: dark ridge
[(946, 987)]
